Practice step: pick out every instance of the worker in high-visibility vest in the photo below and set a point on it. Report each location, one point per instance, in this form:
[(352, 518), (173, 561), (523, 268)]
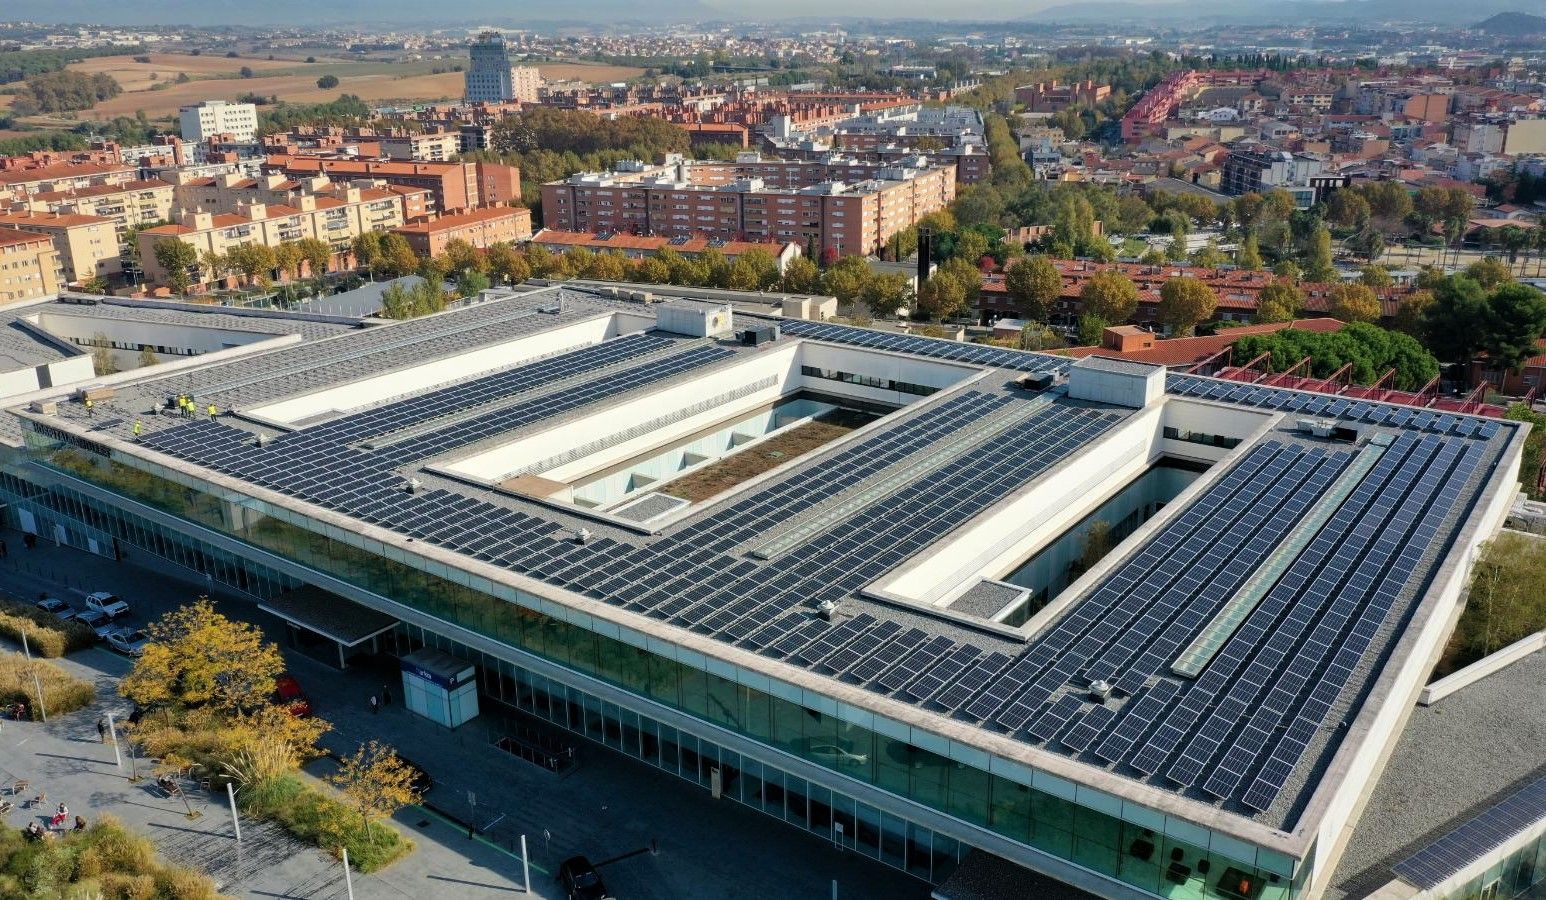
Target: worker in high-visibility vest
[(212, 411), (89, 410), (137, 429)]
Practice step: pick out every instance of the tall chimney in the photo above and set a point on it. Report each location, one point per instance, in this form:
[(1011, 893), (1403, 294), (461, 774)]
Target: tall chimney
[(925, 250)]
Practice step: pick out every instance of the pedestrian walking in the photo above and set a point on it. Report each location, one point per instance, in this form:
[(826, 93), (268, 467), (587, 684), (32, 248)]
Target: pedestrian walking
[(386, 696), (375, 705), (102, 730)]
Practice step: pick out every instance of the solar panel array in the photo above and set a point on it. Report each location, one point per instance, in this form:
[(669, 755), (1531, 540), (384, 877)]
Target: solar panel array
[(1365, 411), (501, 421), (955, 351), (1237, 733), (1452, 853), (1240, 730), (458, 398)]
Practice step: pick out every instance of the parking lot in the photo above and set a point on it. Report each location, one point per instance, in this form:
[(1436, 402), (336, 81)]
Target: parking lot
[(609, 808)]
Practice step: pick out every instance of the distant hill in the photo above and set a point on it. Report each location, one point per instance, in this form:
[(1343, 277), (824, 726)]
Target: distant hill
[(309, 12), (1514, 23)]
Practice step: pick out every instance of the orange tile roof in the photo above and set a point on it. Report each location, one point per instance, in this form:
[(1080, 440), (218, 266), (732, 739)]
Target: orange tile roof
[(10, 237), (61, 170), (462, 219), (1184, 351), (65, 220)]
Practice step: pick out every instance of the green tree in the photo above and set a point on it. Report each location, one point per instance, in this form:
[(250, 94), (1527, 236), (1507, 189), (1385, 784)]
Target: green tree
[(367, 250), (1453, 326), (951, 290), (460, 256), (1279, 302), (1092, 329), (1249, 256), (1289, 271), (1318, 265), (1516, 319), (802, 276), (507, 264), (1410, 310), (884, 294), (316, 254), (1034, 284), (846, 278), (1109, 296), (177, 259), (1489, 272), (764, 268), (256, 262), (327, 82), (1209, 256), (1184, 302), (1375, 276), (287, 259), (1353, 303), (377, 782), (197, 657), (396, 257), (471, 283)]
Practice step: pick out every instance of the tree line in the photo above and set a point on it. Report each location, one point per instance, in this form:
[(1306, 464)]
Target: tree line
[(64, 91)]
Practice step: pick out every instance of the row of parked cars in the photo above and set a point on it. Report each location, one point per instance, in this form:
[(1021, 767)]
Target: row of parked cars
[(102, 614)]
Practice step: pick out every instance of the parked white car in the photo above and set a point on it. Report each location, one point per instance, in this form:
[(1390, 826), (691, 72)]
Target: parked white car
[(111, 604), (129, 642)]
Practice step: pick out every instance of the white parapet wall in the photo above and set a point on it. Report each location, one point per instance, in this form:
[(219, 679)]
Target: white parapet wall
[(387, 385)]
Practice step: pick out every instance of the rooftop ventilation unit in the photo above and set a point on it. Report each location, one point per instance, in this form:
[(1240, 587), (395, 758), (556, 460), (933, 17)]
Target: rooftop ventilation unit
[(582, 535), (1036, 381), (413, 485), (1332, 429), (826, 609), (1100, 690)]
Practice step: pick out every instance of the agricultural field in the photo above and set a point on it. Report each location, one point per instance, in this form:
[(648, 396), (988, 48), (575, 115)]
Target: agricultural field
[(293, 80)]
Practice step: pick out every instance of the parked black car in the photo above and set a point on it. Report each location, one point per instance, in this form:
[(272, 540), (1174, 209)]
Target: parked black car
[(580, 879)]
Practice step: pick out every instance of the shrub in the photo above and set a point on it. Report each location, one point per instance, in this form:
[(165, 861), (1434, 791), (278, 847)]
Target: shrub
[(313, 816), (106, 860), (62, 692), (46, 635)]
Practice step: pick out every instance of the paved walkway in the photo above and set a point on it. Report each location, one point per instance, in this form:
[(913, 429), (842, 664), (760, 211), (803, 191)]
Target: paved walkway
[(608, 807)]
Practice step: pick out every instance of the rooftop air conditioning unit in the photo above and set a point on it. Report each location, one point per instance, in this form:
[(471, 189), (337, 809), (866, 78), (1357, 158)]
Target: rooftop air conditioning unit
[(413, 485), (826, 608), (1100, 690), (1317, 427), (582, 535)]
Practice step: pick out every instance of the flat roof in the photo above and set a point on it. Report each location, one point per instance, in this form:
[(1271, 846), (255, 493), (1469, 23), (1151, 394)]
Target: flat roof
[(1242, 744), (1456, 759)]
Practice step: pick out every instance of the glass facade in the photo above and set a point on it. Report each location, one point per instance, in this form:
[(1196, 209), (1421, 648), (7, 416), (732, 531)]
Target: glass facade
[(1162, 855), (1519, 876)]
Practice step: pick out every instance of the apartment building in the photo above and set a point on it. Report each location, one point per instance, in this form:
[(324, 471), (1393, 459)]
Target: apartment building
[(86, 246), (1051, 97), (29, 266), (453, 186), (492, 79), (127, 204), (337, 218), (832, 216), (1253, 170), (482, 228), (202, 121), (19, 182), (231, 192), (437, 146)]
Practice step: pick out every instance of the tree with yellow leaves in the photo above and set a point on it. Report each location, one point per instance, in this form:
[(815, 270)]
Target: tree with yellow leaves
[(376, 781), (198, 657)]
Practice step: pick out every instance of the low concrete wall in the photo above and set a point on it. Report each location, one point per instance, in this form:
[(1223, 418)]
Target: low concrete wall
[(1480, 669)]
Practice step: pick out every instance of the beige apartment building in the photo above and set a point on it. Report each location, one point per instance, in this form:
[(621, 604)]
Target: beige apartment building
[(833, 217), (482, 228), (337, 218), (231, 193), (85, 246), (22, 183), (129, 204), (28, 266)]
